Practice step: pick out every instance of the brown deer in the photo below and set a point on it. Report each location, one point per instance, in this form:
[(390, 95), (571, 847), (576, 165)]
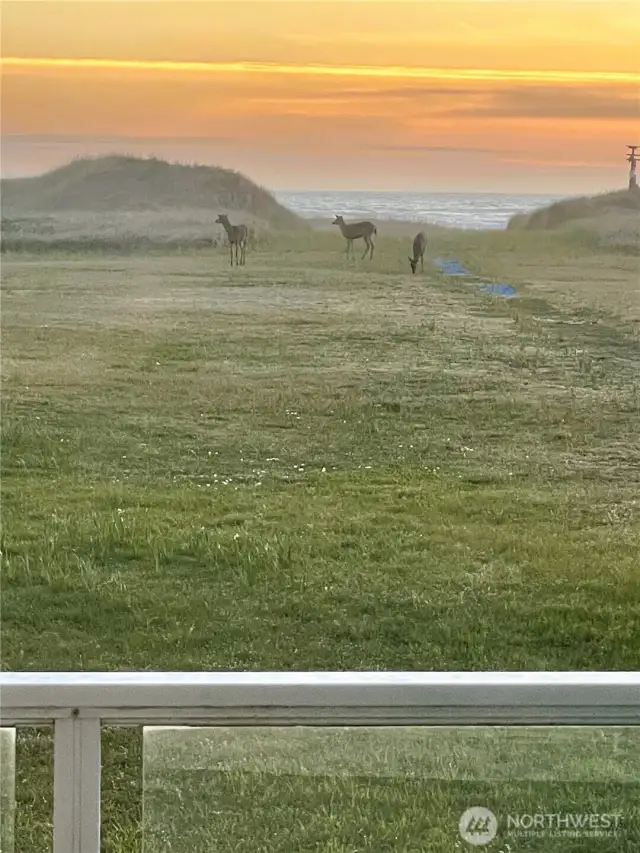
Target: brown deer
[(356, 230), (419, 245), (237, 235)]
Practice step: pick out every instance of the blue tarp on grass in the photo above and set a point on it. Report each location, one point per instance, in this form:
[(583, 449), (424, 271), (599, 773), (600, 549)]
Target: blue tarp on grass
[(499, 289), (455, 268), (451, 267)]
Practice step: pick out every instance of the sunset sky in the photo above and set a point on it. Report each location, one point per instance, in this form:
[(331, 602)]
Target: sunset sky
[(439, 95)]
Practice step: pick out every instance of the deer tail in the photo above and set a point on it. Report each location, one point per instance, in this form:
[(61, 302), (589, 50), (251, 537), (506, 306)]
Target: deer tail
[(375, 230)]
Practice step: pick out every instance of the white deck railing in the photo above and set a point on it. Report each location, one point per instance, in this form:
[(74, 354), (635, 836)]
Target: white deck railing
[(78, 704)]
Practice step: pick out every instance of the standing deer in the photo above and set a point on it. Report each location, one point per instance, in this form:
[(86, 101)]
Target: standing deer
[(419, 245), (237, 235), (355, 231)]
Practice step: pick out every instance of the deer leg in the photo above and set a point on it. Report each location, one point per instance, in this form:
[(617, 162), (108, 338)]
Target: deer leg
[(366, 248), (372, 246), (369, 247), (422, 262), (231, 251)]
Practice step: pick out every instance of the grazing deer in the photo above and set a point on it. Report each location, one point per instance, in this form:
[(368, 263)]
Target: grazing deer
[(237, 235), (355, 231), (419, 245)]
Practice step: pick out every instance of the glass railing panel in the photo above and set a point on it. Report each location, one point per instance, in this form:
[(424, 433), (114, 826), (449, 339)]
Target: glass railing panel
[(420, 789), (7, 789)]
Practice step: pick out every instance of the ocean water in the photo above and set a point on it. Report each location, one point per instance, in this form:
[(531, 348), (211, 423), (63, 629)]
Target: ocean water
[(456, 210)]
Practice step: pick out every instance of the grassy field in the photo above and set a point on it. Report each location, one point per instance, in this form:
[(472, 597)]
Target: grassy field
[(376, 789), (315, 463)]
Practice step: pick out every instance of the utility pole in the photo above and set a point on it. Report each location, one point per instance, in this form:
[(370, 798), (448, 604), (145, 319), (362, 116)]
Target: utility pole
[(631, 159)]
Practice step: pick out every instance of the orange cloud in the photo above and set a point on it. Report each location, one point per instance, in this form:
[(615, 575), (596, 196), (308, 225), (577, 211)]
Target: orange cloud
[(393, 72), (526, 34), (328, 89)]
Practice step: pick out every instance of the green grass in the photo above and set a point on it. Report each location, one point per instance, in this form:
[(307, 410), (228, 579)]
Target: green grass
[(310, 463), (397, 789)]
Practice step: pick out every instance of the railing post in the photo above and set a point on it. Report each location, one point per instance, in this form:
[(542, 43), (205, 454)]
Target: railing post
[(7, 788), (76, 786)]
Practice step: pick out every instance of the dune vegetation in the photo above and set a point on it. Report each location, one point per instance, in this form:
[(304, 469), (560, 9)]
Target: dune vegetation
[(612, 219), (121, 203)]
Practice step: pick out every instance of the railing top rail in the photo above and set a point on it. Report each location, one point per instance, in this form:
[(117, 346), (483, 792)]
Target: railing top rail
[(360, 678), (453, 698)]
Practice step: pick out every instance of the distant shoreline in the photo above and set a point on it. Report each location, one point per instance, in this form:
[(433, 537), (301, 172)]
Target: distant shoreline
[(473, 211)]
